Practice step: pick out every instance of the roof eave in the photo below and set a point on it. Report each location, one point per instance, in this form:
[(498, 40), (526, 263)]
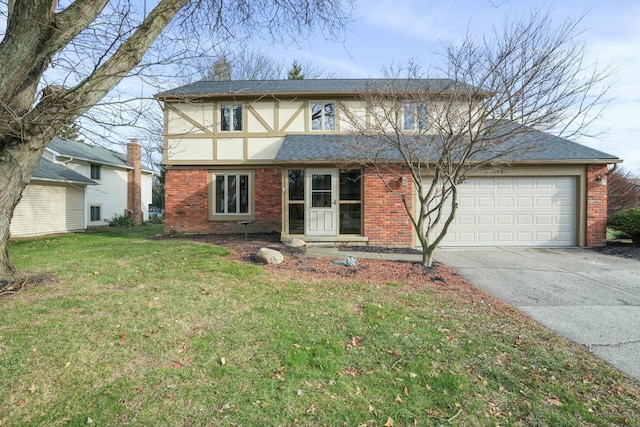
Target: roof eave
[(63, 181)]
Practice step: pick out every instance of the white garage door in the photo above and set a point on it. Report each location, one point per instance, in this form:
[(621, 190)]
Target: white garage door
[(515, 211)]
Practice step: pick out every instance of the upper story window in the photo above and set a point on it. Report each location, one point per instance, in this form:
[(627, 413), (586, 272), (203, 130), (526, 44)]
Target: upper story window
[(95, 172), (415, 116), (323, 115), (231, 117)]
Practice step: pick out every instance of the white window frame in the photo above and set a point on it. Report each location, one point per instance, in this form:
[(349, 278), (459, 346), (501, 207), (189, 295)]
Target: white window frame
[(414, 113), (233, 113), (214, 214), (324, 123)]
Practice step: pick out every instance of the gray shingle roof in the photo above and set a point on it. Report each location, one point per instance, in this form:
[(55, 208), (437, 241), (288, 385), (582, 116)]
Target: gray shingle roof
[(319, 86), (92, 153), (540, 147), (50, 171)]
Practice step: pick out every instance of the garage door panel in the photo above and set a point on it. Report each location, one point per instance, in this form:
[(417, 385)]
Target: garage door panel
[(485, 237), (524, 184), (466, 219), (486, 220), (504, 202), (544, 201), (466, 237), (525, 202), (469, 202), (517, 211), (486, 184), (524, 219), (544, 219), (505, 237), (485, 202), (505, 219), (544, 183), (564, 219)]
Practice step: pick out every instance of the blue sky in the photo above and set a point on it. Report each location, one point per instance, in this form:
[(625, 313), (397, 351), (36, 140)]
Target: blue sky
[(393, 31)]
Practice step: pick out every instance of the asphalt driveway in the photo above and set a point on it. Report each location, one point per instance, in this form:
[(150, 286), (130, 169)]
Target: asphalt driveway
[(590, 298)]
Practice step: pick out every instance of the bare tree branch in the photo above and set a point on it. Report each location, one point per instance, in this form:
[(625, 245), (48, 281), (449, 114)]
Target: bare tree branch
[(499, 94)]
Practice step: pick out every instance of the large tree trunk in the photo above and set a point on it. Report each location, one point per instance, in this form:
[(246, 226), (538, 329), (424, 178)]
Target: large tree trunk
[(18, 162), (29, 122)]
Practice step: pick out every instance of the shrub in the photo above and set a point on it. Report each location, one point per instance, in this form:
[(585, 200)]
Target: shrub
[(155, 219), (120, 221), (627, 222)]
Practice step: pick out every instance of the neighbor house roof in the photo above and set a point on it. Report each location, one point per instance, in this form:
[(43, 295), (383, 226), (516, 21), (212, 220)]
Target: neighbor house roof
[(90, 153), (532, 146), (49, 171), (205, 89)]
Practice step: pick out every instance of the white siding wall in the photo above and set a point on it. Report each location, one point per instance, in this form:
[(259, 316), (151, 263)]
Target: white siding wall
[(110, 194), (147, 194), (48, 208)]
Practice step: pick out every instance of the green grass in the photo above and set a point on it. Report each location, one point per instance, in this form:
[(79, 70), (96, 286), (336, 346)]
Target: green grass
[(170, 332)]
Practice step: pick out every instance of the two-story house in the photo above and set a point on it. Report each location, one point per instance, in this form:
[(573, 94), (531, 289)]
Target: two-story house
[(77, 185), (270, 152)]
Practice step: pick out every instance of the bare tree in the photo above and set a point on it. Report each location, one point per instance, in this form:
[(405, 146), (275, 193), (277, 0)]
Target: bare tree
[(497, 94), (623, 191), (65, 58), (253, 65)]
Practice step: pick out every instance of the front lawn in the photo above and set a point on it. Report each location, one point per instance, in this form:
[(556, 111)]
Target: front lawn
[(174, 333)]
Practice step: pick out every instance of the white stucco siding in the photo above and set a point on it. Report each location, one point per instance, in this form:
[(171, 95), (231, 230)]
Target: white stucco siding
[(190, 118), (230, 149), (263, 148), (261, 117), (292, 115), (189, 149), (49, 208), (352, 116)]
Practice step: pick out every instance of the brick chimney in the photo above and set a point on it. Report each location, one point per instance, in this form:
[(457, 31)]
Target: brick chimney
[(134, 182)]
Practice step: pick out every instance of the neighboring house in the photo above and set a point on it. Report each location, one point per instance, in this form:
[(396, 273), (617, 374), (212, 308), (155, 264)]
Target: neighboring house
[(77, 185), (269, 152)]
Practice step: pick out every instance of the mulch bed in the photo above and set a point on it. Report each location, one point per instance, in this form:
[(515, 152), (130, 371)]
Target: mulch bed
[(620, 249)]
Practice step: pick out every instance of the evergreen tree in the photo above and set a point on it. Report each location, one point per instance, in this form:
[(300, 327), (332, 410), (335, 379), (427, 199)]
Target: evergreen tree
[(296, 72)]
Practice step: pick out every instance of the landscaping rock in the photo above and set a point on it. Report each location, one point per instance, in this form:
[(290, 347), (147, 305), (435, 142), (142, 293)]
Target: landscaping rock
[(269, 256), (296, 243)]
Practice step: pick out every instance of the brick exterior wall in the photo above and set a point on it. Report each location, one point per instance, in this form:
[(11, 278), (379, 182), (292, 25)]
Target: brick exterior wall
[(386, 222), (187, 203), (596, 230)]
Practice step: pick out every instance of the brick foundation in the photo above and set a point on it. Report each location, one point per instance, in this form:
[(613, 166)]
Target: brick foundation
[(596, 230), (386, 222), (187, 203)]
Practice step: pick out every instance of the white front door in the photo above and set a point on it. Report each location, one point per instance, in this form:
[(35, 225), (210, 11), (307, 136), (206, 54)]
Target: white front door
[(321, 199)]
